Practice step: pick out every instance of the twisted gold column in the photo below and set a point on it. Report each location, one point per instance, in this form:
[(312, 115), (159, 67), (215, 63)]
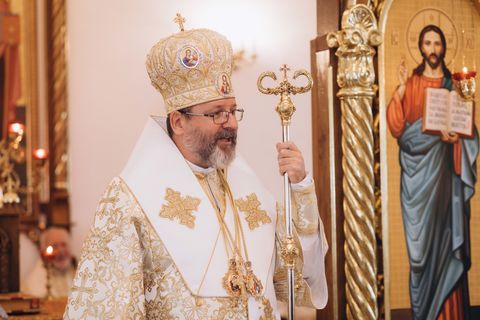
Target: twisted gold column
[(356, 79), (58, 91), (358, 183)]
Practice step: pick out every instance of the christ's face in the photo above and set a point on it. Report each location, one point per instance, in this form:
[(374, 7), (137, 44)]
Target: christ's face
[(433, 51)]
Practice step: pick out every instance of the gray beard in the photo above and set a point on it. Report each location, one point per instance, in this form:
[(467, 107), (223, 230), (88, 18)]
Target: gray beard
[(221, 160), (207, 149)]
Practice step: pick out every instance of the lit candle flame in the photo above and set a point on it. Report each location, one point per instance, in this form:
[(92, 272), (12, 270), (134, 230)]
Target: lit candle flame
[(49, 251), (40, 154), (465, 70), (17, 128)]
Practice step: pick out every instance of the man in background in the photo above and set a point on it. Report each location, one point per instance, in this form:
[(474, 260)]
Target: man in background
[(62, 265)]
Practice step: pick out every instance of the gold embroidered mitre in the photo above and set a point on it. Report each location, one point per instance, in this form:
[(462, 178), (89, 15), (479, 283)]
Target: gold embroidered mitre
[(191, 67)]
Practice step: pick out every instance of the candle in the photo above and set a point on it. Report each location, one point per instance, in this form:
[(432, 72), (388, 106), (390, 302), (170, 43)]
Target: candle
[(464, 75), (17, 128), (40, 154), (49, 251), (49, 254)]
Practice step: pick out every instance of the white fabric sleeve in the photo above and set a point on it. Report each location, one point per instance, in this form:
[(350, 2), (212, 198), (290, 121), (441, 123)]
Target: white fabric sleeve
[(315, 247)]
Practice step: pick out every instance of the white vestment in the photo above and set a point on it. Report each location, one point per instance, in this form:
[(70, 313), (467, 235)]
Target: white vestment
[(156, 250), (60, 281)]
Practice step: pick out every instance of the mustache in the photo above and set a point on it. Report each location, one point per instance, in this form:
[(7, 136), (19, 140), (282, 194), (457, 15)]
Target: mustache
[(440, 56), (227, 134)]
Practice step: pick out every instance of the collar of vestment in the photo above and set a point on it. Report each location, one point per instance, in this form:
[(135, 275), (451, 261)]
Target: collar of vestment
[(155, 166), (198, 169)]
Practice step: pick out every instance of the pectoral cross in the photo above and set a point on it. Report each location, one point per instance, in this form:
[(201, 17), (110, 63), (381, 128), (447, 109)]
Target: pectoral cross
[(180, 20)]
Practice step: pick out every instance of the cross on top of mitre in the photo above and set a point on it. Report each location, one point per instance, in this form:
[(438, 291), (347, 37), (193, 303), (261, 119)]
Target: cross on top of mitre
[(180, 20)]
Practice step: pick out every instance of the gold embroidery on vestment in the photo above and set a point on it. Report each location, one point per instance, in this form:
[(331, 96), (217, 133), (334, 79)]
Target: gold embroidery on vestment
[(255, 215), (120, 276), (109, 200), (83, 289), (180, 208)]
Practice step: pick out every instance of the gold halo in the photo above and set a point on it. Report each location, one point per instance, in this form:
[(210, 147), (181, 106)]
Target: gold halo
[(436, 17)]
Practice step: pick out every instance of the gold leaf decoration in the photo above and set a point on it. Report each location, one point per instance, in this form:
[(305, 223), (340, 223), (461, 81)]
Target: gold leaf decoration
[(179, 208), (255, 215)]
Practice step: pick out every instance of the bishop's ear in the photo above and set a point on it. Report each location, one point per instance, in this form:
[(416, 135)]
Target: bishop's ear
[(176, 123)]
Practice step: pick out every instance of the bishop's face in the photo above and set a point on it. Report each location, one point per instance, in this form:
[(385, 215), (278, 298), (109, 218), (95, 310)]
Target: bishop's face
[(433, 51), (213, 144)]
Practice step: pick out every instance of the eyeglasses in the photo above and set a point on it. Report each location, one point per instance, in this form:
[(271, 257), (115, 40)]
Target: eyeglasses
[(219, 117)]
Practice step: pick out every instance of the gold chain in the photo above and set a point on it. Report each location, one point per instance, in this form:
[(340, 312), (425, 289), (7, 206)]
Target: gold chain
[(198, 301), (239, 280), (252, 284)]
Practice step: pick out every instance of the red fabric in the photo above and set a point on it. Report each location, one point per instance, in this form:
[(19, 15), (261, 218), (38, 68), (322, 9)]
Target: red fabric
[(452, 307), (457, 158), (411, 108)]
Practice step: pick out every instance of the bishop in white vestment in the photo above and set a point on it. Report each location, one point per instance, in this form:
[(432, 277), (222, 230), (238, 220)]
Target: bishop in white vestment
[(187, 231)]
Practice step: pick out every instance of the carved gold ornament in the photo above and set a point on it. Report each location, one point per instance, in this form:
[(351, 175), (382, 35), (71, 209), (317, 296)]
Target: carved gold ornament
[(251, 207), (179, 208), (285, 107), (289, 252), (356, 79), (377, 7), (11, 153), (58, 102)]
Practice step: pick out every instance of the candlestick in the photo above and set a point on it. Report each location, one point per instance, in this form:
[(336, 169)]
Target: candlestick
[(464, 75), (465, 83), (11, 152), (48, 256), (40, 157)]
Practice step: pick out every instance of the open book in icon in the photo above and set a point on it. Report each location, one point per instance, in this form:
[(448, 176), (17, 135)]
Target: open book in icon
[(446, 110)]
